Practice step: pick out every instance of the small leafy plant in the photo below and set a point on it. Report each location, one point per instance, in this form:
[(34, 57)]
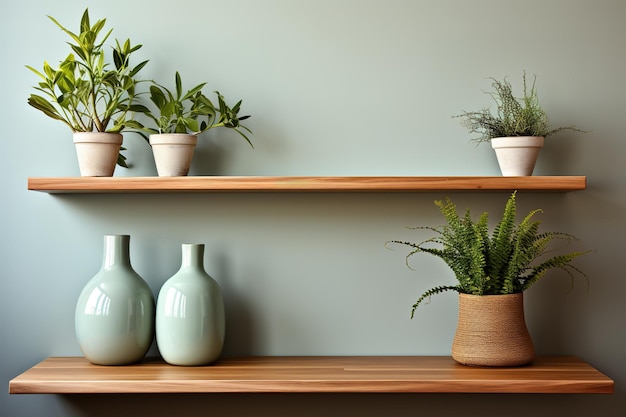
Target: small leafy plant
[(85, 92), (508, 261), (514, 116), (191, 112)]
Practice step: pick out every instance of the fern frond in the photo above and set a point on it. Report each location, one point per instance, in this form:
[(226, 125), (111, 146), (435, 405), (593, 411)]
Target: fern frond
[(500, 248), (559, 261), (431, 292)]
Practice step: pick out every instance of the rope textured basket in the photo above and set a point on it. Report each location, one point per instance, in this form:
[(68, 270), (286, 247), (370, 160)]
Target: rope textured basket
[(492, 331)]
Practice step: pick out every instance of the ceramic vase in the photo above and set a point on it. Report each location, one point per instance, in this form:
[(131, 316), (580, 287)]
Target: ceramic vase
[(115, 311), (492, 331), (190, 318)]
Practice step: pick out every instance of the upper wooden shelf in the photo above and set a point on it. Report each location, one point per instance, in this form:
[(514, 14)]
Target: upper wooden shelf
[(324, 374), (303, 184)]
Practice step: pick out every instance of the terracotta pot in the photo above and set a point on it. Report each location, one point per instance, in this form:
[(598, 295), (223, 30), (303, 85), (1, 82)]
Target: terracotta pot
[(517, 155), (173, 153), (97, 153), (492, 331)]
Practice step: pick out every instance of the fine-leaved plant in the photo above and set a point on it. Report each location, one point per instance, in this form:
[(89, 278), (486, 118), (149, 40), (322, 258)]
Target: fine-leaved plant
[(513, 117), (509, 260)]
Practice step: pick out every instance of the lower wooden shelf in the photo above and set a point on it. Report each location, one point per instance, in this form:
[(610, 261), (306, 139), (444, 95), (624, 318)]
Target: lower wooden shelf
[(323, 374)]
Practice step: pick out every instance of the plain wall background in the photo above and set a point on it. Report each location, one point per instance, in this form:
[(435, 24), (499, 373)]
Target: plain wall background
[(335, 87)]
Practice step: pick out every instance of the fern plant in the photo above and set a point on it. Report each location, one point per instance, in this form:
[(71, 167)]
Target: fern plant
[(513, 117), (509, 260)]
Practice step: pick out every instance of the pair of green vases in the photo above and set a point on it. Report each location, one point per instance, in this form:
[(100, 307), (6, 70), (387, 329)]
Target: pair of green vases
[(116, 317)]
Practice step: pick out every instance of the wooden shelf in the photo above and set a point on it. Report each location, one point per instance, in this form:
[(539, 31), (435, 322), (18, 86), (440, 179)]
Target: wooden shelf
[(331, 374), (303, 184)]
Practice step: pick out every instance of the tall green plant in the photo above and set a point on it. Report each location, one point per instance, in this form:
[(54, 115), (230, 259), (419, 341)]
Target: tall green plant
[(86, 92), (514, 116), (509, 260)]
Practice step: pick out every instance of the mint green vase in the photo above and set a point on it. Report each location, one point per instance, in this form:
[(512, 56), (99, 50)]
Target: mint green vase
[(115, 311), (190, 318)]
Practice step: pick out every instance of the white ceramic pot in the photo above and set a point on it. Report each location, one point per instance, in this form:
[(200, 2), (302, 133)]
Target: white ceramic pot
[(97, 153), (517, 155), (173, 153)]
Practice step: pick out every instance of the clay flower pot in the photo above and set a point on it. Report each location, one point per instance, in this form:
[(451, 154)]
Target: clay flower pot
[(517, 155), (173, 153)]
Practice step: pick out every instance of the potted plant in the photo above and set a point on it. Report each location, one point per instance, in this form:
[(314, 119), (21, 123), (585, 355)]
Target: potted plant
[(179, 119), (517, 129), (94, 99), (492, 272)]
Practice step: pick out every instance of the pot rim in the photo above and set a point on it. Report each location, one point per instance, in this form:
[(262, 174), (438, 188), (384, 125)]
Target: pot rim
[(173, 139), (98, 137), (518, 142)]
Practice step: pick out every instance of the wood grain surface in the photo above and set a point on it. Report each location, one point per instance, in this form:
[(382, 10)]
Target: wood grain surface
[(331, 374), (303, 184)]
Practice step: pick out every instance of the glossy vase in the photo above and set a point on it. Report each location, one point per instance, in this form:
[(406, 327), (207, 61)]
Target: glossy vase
[(115, 311), (190, 318)]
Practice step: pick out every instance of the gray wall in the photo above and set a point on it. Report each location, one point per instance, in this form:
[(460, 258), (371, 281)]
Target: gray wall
[(335, 87)]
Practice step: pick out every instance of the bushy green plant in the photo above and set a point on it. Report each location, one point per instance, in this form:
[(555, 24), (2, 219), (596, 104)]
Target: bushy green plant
[(507, 261), (191, 112), (84, 92), (514, 116)]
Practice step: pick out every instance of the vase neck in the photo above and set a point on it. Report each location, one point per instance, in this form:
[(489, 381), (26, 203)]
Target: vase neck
[(193, 256), (116, 251)]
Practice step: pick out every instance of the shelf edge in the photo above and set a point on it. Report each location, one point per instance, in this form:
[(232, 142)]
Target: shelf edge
[(207, 184)]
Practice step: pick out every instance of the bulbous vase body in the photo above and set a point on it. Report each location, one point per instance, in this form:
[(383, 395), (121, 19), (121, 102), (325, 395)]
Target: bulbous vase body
[(114, 316), (492, 331), (190, 317)]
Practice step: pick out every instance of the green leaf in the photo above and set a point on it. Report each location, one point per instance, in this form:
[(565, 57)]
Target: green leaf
[(193, 92), (118, 59), (72, 35), (191, 124), (36, 71), (43, 105), (137, 68), (168, 109), (138, 108), (179, 86), (98, 26), (84, 21), (157, 97)]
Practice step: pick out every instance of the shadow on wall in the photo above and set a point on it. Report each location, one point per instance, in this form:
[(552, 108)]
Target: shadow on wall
[(339, 405)]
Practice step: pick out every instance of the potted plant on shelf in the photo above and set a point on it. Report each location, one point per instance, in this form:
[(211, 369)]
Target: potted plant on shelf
[(492, 272), (516, 131), (179, 119), (94, 99)]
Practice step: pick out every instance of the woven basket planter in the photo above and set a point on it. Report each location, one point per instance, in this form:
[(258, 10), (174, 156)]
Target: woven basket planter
[(492, 331)]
